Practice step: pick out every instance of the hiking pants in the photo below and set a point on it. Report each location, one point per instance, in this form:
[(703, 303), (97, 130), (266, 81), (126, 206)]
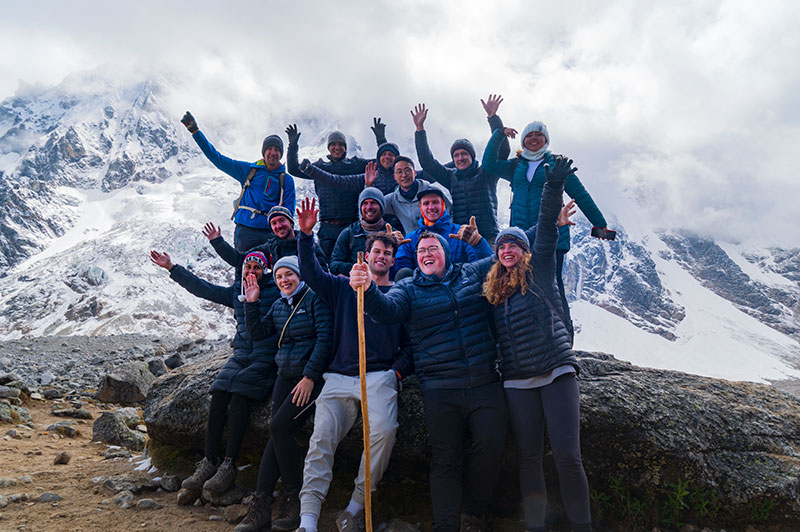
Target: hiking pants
[(234, 409), (246, 238), (338, 407)]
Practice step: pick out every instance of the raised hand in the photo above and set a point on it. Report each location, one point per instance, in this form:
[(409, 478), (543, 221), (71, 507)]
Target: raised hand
[(307, 215), (360, 276), (510, 132), (419, 114), (566, 211), (561, 170), (469, 233), (491, 104), (210, 231), (379, 128), (370, 173), (190, 123), (251, 289), (292, 133), (397, 235), (301, 393), (161, 259)]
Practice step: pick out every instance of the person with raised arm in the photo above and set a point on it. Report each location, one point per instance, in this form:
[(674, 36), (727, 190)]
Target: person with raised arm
[(265, 184)]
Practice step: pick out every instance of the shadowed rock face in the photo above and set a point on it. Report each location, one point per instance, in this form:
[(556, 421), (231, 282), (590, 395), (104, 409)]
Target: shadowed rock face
[(645, 427)]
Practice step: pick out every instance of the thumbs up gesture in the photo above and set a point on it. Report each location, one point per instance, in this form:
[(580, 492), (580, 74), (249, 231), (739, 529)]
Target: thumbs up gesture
[(397, 235), (469, 233)]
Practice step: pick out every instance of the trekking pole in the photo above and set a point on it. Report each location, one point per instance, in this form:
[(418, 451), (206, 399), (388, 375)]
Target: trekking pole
[(362, 373)]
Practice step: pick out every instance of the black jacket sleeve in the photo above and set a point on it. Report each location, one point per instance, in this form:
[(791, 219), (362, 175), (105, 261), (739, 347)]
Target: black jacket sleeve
[(194, 285)]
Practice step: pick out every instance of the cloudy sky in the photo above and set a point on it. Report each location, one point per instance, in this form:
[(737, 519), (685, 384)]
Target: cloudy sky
[(678, 114)]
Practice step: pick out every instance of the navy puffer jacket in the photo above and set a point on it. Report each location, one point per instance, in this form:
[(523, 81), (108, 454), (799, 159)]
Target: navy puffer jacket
[(304, 341), (251, 370), (351, 240), (531, 334), (448, 324)]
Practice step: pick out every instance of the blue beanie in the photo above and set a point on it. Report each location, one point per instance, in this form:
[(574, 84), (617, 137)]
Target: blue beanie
[(515, 235), (445, 246), (280, 210), (372, 193)]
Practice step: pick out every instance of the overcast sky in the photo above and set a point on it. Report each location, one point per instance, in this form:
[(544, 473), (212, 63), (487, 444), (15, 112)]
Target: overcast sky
[(678, 114)]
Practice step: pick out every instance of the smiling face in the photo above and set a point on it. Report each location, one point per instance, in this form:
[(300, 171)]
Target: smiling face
[(253, 267), (370, 210), (272, 157), (430, 257), (431, 207), (509, 254), (379, 258), (534, 141), (404, 174), (337, 150), (287, 280), (462, 159), (387, 159), (282, 227)]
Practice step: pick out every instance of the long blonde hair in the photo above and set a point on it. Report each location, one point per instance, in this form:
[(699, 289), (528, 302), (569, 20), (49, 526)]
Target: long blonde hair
[(501, 282)]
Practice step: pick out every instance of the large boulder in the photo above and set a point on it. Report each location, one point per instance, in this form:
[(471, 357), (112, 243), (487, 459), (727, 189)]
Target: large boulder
[(111, 428), (648, 436), (127, 384)]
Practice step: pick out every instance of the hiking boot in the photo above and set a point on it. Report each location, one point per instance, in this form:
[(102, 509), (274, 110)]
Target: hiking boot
[(472, 523), (223, 479), (204, 470), (259, 514), (347, 522), (289, 516)]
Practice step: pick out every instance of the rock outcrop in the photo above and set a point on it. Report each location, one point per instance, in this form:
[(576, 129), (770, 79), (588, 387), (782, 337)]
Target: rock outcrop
[(644, 431), (128, 383)]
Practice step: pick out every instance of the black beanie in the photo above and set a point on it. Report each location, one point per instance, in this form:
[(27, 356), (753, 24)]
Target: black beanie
[(272, 140), (463, 144)]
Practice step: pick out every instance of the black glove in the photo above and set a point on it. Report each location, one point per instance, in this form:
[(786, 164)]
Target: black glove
[(378, 128), (561, 170), (305, 164), (190, 123), (293, 134)]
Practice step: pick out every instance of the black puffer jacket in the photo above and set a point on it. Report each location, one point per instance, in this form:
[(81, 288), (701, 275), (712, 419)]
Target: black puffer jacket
[(334, 204), (251, 370), (301, 330), (448, 323), (531, 334), (352, 239)]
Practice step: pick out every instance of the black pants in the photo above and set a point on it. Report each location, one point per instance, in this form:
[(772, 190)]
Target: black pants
[(283, 457), (233, 409), (246, 238), (560, 282), (448, 412), (327, 234), (558, 404)]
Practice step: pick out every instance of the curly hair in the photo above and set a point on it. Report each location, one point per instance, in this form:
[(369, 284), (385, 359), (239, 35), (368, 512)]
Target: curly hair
[(502, 282)]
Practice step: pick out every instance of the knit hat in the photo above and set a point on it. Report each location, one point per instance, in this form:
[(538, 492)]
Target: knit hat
[(388, 146), (280, 210), (534, 155), (514, 235), (372, 193), (256, 256), (463, 144), (290, 261), (336, 136), (272, 140)]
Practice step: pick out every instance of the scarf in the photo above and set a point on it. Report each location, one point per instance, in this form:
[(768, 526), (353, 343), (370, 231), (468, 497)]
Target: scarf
[(375, 226)]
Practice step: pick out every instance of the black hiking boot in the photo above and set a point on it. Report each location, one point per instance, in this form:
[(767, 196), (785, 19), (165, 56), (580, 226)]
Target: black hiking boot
[(289, 517), (204, 470), (223, 479), (259, 514)]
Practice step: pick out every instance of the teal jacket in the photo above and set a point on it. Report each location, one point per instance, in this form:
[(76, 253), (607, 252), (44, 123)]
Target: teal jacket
[(526, 197)]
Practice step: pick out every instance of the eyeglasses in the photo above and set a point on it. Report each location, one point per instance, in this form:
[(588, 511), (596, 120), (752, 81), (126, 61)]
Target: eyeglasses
[(430, 250), (404, 171)]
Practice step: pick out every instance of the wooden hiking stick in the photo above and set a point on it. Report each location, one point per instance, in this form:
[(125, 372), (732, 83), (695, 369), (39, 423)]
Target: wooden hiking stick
[(362, 373)]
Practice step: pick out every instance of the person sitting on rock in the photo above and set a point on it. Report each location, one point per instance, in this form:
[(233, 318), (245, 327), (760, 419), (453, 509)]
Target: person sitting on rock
[(302, 321), (388, 361), (403, 202), (338, 208), (265, 184), (245, 379)]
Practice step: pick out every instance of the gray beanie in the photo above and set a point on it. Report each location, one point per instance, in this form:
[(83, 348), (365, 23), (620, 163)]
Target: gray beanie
[(336, 136), (515, 235), (290, 261), (463, 144), (272, 140), (372, 193)]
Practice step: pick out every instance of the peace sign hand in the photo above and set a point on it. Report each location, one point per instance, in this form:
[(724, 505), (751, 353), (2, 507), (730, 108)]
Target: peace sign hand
[(469, 233)]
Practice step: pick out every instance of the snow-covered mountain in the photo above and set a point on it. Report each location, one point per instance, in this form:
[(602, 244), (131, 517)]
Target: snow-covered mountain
[(94, 174)]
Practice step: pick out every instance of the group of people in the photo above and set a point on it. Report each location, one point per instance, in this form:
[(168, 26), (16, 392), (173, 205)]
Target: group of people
[(477, 313)]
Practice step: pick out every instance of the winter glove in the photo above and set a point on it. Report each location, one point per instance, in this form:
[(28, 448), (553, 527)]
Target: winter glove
[(378, 128), (561, 170), (190, 123), (293, 134), (469, 233), (305, 166)]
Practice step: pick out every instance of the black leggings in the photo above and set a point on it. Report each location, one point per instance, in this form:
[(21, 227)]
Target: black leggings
[(235, 409), (558, 404), (283, 457)]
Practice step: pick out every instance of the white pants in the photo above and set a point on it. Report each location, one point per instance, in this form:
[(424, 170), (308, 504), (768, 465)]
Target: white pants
[(337, 408)]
